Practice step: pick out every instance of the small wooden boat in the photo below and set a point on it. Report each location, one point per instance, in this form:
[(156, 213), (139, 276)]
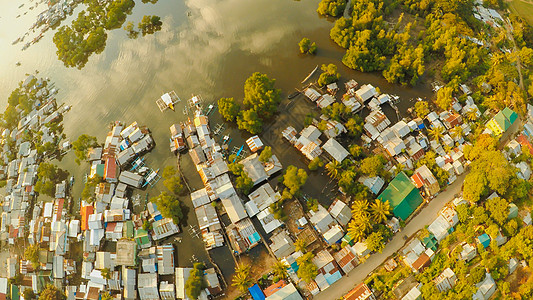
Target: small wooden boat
[(291, 96), (310, 74)]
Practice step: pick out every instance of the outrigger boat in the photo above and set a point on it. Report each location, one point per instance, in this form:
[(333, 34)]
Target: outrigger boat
[(139, 162), (167, 100), (152, 178)]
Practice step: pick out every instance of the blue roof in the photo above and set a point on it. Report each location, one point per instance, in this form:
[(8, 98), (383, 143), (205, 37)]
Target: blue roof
[(332, 278), (256, 292), (484, 239), (254, 238), (158, 217)]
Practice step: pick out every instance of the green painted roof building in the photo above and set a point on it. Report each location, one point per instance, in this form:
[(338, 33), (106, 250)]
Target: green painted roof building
[(402, 195), (142, 239), (510, 115)]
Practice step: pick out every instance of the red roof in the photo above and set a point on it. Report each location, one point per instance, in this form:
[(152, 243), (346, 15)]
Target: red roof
[(274, 288), (110, 168), (360, 292), (60, 202), (419, 182), (422, 262), (85, 212), (522, 140), (111, 227)]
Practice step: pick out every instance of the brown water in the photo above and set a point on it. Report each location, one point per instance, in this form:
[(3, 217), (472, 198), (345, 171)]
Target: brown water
[(211, 52)]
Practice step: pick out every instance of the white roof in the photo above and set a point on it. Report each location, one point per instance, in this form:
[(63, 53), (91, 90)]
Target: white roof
[(182, 274), (234, 208), (261, 199), (366, 92), (335, 149), (288, 292), (48, 206), (200, 198), (268, 221)]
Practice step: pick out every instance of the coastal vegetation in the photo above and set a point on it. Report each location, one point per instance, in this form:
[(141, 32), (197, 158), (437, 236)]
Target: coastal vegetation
[(172, 180), (307, 47), (82, 145), (49, 175), (329, 75), (260, 103), (195, 283), (169, 206), (332, 8), (87, 34), (148, 25)]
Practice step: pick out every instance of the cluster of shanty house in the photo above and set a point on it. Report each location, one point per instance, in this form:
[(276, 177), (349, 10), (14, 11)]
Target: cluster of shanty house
[(213, 170), (419, 253), (132, 263)]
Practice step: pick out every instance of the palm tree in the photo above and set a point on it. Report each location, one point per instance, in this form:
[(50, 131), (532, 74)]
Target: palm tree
[(436, 133), (241, 279), (280, 270), (359, 209), (333, 168), (457, 132), (471, 115), (356, 231), (300, 245), (380, 210)]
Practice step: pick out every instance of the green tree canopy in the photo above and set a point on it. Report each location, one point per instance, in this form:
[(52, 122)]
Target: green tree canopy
[(172, 180), (375, 242), (422, 109), (498, 209), (373, 165), (242, 278), (228, 109), (261, 96), (332, 8), (306, 46), (294, 179), (31, 253), (150, 25), (329, 75), (195, 283), (250, 121), (51, 292), (307, 270), (48, 176), (169, 206), (82, 145), (266, 154)]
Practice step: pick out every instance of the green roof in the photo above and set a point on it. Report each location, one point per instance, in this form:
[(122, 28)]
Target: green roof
[(430, 242), (513, 211), (100, 169), (402, 195), (127, 230), (510, 115), (141, 237), (502, 121), (15, 292)]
